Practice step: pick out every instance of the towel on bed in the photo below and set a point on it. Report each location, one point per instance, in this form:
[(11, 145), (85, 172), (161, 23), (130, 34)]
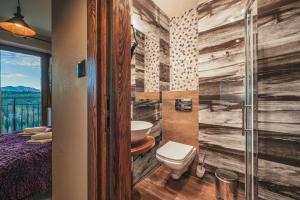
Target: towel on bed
[(39, 141), (42, 136), (33, 131), (48, 130)]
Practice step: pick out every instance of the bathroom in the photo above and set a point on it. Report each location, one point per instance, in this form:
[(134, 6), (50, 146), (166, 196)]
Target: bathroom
[(221, 80)]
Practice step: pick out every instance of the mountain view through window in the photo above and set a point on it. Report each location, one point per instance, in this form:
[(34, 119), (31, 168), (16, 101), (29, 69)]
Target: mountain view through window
[(20, 91)]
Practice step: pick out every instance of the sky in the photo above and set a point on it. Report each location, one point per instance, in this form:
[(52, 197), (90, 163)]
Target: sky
[(19, 69)]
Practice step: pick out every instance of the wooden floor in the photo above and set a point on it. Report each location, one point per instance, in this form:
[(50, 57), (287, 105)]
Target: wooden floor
[(160, 186)]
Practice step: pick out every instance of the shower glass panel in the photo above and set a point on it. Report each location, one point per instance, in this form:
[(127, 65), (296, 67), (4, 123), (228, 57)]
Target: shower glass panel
[(250, 106)]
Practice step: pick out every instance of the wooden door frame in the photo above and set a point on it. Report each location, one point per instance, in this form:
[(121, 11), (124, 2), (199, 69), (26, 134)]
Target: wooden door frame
[(108, 61)]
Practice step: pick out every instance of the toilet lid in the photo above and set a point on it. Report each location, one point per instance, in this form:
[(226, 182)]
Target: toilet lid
[(174, 151)]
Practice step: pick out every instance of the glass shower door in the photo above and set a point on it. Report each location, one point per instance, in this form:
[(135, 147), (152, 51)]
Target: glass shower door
[(250, 106)]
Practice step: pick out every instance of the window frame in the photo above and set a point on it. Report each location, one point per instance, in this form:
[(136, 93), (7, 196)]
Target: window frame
[(45, 80)]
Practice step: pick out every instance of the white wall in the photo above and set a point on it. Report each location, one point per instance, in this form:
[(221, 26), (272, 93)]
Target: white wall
[(25, 43), (69, 97)]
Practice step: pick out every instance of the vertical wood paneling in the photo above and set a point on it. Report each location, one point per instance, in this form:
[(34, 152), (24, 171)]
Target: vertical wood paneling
[(108, 81), (119, 91), (96, 73)]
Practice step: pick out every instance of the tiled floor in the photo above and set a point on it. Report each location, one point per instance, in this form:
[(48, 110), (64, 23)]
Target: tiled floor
[(160, 186)]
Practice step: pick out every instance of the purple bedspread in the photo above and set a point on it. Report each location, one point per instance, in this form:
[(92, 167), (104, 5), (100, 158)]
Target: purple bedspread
[(25, 169)]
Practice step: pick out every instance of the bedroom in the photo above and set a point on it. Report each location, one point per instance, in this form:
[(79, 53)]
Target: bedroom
[(38, 95)]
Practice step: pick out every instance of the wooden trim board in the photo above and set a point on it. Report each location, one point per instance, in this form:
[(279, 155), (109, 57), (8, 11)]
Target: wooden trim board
[(109, 159)]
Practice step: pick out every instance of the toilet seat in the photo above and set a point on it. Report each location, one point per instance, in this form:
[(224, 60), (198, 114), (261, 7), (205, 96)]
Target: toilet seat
[(174, 152), (178, 157), (178, 165), (177, 162)]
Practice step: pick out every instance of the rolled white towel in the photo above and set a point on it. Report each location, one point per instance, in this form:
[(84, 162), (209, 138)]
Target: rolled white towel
[(42, 136), (48, 130), (39, 141), (26, 134), (35, 129)]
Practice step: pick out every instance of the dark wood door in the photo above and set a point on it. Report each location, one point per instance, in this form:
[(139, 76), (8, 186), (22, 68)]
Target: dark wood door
[(109, 162)]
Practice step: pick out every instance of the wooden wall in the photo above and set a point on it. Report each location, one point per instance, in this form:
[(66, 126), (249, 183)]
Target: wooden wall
[(149, 22), (142, 96), (279, 99), (221, 72), (164, 66), (221, 91), (177, 126), (152, 23), (137, 65), (150, 111)]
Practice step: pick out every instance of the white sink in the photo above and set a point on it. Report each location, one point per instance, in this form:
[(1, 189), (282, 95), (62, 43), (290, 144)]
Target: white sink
[(140, 130)]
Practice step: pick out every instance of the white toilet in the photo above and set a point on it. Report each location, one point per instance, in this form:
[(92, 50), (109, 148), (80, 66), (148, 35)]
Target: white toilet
[(176, 156)]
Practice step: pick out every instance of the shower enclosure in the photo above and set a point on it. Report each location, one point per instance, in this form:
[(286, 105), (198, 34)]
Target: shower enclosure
[(249, 109)]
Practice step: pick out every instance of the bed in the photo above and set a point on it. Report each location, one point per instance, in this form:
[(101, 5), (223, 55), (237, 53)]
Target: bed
[(25, 169)]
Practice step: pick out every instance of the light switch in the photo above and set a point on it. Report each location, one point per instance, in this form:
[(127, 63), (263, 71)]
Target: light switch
[(81, 69)]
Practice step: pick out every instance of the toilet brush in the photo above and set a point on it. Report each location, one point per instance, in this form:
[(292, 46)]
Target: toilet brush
[(200, 168)]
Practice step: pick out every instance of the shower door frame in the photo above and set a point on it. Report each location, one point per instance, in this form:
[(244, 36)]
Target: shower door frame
[(250, 107)]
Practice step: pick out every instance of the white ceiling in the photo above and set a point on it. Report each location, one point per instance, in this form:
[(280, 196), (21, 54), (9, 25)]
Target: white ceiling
[(37, 13), (175, 7)]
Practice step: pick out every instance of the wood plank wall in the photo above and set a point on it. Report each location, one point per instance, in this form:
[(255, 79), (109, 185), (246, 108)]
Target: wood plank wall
[(279, 99), (150, 20), (137, 65), (221, 91), (150, 111), (164, 66), (221, 73)]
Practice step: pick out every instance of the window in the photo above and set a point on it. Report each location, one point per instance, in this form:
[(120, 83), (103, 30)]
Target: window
[(22, 89)]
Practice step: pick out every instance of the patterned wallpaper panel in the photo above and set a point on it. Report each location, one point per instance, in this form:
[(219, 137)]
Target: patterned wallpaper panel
[(183, 51), (152, 51)]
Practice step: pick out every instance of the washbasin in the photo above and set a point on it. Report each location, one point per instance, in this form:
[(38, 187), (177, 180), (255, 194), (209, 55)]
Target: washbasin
[(140, 130)]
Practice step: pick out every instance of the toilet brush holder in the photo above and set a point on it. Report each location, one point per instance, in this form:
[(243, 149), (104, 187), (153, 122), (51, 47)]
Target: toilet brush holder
[(200, 171), (200, 168)]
